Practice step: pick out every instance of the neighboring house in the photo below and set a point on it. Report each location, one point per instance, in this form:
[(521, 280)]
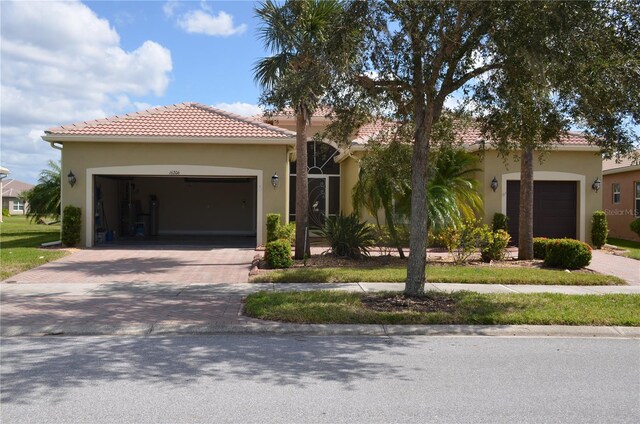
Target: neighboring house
[(192, 170), (12, 196), (621, 195), (4, 172)]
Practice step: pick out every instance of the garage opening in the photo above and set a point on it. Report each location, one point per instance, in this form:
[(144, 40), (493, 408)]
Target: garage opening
[(555, 209), (219, 211)]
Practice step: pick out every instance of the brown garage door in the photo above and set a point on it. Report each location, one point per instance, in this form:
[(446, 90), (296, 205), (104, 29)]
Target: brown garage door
[(554, 208)]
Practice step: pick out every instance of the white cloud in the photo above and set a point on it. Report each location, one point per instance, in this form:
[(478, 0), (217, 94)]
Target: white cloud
[(60, 64), (203, 22), (239, 108), (169, 8)]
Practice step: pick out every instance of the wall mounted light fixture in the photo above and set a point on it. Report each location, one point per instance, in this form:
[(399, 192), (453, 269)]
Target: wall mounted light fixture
[(275, 180), (72, 178), (494, 184), (596, 185)]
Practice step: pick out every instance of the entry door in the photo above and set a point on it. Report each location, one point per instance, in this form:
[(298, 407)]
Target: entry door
[(318, 203)]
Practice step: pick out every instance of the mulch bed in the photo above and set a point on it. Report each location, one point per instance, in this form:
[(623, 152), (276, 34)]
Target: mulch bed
[(402, 303)]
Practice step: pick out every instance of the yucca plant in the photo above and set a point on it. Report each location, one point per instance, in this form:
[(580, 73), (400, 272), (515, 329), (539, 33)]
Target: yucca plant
[(347, 236)]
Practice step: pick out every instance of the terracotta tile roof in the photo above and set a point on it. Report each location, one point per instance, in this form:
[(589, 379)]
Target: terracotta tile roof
[(469, 136), (189, 120), (14, 188), (373, 129), (320, 112), (624, 162)]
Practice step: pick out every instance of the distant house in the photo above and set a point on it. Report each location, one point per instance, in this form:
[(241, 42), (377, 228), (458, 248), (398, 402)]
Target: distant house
[(12, 200), (621, 195)]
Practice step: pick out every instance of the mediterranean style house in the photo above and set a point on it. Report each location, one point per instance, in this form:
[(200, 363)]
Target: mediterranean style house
[(189, 171), (621, 195)]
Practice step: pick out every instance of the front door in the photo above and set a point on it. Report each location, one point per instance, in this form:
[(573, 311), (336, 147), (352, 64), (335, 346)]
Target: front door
[(317, 201)]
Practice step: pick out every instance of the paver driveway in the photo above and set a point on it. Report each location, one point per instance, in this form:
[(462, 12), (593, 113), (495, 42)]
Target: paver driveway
[(171, 265)]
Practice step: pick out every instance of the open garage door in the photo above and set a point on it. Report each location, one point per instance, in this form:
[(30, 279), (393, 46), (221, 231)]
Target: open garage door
[(555, 206), (209, 210)]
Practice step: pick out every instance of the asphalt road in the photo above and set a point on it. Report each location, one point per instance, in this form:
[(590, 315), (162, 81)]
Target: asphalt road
[(319, 379)]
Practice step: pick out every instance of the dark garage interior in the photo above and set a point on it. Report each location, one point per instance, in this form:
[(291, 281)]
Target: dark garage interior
[(174, 210)]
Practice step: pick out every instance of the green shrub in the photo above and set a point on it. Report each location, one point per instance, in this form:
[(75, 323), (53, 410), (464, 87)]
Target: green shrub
[(347, 236), (495, 245), (635, 226), (436, 239), (599, 229), (540, 247), (273, 222), (5, 212), (567, 254), (277, 253), (71, 225), (286, 232), (383, 240), (500, 222), (463, 241)]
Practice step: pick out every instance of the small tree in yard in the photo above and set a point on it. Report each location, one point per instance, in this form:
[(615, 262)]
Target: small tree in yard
[(43, 200), (530, 64)]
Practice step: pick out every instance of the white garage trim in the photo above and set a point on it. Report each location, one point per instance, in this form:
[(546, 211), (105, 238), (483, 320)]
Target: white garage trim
[(552, 176), (170, 170)]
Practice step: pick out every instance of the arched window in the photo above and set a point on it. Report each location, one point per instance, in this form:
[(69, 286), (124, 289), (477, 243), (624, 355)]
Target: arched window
[(324, 183)]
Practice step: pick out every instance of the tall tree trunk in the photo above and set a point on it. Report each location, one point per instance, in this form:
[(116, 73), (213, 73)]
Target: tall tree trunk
[(525, 226), (302, 188), (417, 263)]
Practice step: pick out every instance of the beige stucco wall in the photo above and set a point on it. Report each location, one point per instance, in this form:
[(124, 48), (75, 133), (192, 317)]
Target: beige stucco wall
[(80, 156), (620, 215), (581, 166), (349, 170)]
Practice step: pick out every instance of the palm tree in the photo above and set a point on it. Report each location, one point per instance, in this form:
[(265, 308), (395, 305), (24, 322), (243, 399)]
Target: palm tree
[(383, 179), (453, 192), (305, 38), (385, 176), (44, 199)]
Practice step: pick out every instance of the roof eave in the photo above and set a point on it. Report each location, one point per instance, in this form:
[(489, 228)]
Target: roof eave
[(621, 169), (556, 147), (271, 141)]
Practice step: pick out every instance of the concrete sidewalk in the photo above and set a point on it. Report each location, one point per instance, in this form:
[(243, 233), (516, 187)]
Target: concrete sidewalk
[(152, 309)]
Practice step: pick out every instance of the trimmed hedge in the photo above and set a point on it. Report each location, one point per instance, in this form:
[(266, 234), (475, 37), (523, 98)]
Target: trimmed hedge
[(70, 235), (540, 247), (278, 254), (273, 222), (567, 254), (599, 229), (287, 232)]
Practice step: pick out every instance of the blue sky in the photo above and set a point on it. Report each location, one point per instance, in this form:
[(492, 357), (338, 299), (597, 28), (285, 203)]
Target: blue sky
[(75, 61)]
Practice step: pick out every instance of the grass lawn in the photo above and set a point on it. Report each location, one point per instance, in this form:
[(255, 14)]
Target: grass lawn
[(324, 307), (439, 274), (632, 246), (19, 241)]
